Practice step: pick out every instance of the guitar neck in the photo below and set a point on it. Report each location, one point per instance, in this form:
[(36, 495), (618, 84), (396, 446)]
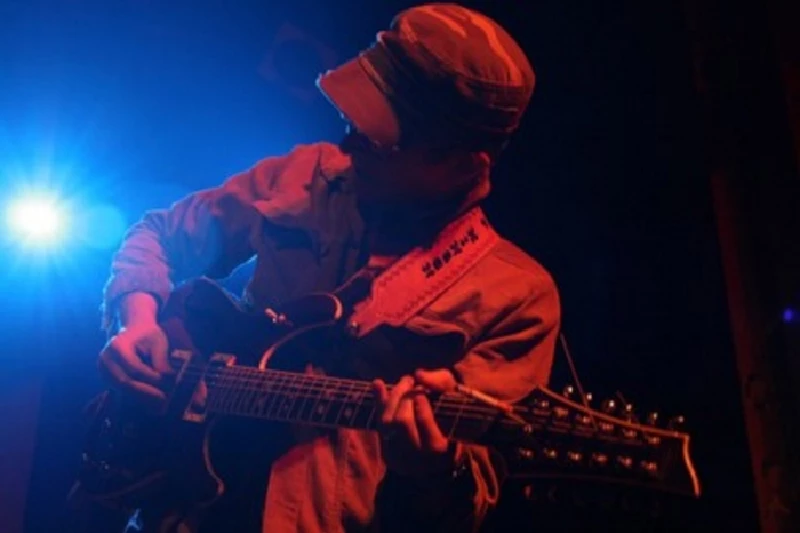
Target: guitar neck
[(325, 401)]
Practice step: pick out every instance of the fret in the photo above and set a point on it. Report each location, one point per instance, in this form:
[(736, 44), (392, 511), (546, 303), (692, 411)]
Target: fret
[(243, 395), (461, 406), (364, 417), (471, 421), (283, 394), (311, 397), (441, 419), (214, 390), (354, 418), (309, 413), (323, 404), (273, 386), (346, 409), (232, 391), (337, 402), (293, 389), (371, 422), (254, 392), (238, 394), (305, 386), (263, 386), (226, 390)]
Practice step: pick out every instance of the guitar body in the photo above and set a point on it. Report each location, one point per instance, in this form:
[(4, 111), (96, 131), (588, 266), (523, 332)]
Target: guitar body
[(160, 467)]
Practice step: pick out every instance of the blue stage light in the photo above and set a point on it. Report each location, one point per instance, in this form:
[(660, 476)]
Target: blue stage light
[(36, 221)]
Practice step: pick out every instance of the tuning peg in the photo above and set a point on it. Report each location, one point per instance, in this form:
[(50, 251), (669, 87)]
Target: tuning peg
[(677, 422), (525, 453), (652, 419), (627, 412), (542, 403), (651, 467), (600, 459), (608, 406), (568, 391), (574, 457), (625, 461)]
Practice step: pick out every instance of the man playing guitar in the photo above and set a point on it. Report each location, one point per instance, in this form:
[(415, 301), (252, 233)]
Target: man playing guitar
[(429, 108)]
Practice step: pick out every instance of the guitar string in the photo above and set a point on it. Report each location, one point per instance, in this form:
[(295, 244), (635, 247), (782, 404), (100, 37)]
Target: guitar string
[(252, 380), (247, 375), (300, 389), (302, 412), (341, 419), (296, 392), (292, 390), (311, 414), (294, 387), (344, 420), (254, 375)]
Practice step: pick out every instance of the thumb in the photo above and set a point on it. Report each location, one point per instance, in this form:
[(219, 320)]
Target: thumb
[(439, 380), (158, 347)]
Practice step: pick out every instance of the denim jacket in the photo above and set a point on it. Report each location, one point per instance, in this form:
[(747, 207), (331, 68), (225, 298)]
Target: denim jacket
[(296, 215)]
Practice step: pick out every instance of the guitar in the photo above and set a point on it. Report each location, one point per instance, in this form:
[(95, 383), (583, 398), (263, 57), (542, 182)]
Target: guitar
[(238, 357)]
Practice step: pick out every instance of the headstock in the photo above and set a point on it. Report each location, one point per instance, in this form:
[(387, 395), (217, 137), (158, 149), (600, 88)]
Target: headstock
[(565, 439)]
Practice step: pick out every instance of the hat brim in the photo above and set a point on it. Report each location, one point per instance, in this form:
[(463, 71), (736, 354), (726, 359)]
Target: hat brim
[(356, 96)]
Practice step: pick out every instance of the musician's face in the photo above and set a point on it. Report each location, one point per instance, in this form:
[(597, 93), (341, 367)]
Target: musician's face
[(415, 173)]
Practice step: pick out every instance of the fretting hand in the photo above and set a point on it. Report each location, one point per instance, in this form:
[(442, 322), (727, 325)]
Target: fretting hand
[(413, 444)]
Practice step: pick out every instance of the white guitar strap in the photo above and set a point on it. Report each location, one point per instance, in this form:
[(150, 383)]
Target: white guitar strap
[(412, 282)]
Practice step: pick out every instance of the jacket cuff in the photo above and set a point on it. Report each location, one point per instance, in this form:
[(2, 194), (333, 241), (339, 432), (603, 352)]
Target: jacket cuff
[(119, 286)]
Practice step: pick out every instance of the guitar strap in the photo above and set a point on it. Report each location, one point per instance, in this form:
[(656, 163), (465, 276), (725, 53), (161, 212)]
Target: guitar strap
[(419, 277)]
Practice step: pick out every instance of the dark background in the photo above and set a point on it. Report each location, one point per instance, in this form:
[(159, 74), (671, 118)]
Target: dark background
[(135, 103)]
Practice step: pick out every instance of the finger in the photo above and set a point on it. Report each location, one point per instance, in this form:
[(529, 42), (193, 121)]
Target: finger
[(405, 419), (439, 380), (381, 396), (395, 395), (113, 372), (133, 365), (430, 435), (381, 391), (159, 355), (124, 357)]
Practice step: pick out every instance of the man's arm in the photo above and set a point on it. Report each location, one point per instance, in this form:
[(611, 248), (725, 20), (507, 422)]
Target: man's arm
[(514, 357), (209, 232)]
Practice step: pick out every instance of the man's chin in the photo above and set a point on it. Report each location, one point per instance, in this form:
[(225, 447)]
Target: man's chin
[(380, 205), (378, 197)]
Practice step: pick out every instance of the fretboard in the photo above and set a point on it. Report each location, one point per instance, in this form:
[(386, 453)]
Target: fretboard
[(331, 402)]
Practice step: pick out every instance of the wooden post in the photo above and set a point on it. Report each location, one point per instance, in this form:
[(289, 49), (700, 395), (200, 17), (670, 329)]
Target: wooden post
[(752, 167)]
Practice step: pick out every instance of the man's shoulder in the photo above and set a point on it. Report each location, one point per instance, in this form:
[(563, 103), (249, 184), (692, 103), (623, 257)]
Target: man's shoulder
[(282, 187), (291, 176), (332, 161), (505, 281), (323, 157), (509, 263)]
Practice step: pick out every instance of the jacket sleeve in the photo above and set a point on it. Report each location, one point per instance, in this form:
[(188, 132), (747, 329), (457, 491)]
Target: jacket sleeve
[(209, 232), (507, 363)]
